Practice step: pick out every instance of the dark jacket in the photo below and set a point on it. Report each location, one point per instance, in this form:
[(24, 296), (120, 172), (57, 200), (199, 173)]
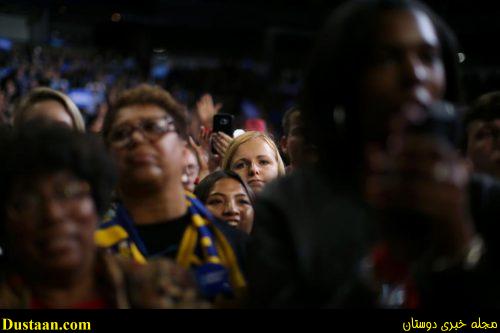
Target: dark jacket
[(312, 232), (309, 236)]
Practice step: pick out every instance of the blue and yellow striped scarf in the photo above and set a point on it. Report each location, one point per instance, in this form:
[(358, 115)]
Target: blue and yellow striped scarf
[(118, 235)]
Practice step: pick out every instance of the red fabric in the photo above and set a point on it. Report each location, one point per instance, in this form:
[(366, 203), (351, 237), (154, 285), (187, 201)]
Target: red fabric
[(98, 303), (256, 124), (389, 270)]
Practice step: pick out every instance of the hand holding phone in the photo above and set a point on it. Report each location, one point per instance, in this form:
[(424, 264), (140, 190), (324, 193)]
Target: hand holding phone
[(222, 123)]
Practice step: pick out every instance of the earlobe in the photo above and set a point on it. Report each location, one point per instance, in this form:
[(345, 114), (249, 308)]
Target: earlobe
[(469, 165), (283, 144)]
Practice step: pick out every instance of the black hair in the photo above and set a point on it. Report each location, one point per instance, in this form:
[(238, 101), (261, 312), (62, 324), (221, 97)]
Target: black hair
[(37, 149), (285, 121), (332, 80), (203, 189), (145, 94)]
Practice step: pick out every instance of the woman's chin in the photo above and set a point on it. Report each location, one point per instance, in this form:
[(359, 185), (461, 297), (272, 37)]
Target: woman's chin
[(257, 187), (144, 176)]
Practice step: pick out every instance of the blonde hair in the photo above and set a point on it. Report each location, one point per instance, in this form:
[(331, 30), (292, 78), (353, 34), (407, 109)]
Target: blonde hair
[(247, 136), (41, 94)]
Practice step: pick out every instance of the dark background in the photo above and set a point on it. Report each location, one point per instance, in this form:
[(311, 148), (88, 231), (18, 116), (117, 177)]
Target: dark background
[(261, 29), (276, 34)]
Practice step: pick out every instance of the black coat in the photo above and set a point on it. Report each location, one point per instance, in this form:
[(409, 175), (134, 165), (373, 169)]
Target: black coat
[(312, 232), (308, 238)]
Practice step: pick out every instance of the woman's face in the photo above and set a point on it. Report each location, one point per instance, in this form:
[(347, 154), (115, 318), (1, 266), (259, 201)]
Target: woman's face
[(191, 170), (50, 110), (229, 202), (50, 224), (151, 156), (406, 72), (255, 162)]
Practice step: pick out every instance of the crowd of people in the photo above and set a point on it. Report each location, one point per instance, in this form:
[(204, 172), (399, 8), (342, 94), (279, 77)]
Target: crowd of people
[(94, 78), (387, 197)]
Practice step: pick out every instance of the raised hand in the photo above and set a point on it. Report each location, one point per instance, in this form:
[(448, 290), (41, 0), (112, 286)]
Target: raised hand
[(202, 157), (206, 109), (221, 142)]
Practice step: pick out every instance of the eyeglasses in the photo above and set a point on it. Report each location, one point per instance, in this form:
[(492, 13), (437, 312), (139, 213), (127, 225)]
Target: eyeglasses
[(151, 129), (70, 195), (191, 169)]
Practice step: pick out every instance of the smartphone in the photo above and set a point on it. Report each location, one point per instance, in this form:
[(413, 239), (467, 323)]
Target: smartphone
[(222, 122)]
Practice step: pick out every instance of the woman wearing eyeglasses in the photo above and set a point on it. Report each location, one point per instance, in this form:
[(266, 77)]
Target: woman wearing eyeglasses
[(145, 132), (54, 185)]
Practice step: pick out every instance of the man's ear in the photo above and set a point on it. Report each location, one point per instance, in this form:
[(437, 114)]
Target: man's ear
[(469, 164), (284, 144)]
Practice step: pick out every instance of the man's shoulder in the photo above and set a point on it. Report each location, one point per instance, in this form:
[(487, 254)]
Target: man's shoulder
[(309, 204), (308, 190), (300, 183), (230, 232)]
